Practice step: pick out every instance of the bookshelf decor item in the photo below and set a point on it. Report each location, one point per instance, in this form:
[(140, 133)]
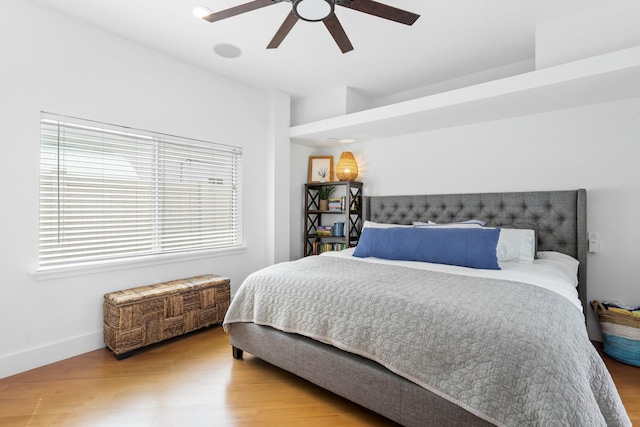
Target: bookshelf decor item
[(347, 168), (336, 226), (324, 192), (320, 168)]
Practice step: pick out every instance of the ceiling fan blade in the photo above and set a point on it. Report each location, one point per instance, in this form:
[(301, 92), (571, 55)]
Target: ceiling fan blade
[(284, 29), (337, 32), (237, 10), (382, 11)]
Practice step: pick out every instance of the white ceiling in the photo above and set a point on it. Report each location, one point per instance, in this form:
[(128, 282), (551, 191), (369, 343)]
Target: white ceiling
[(452, 38)]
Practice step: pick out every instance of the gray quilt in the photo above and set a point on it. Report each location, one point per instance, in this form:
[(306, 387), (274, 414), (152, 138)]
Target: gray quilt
[(511, 353)]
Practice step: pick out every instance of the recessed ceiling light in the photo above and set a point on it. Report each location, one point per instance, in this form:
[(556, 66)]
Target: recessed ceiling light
[(347, 140), (227, 50), (200, 11)]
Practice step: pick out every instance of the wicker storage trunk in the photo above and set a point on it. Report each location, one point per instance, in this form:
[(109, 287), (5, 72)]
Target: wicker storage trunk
[(137, 317)]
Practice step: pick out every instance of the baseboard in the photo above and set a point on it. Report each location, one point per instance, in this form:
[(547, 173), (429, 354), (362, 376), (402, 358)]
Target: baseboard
[(32, 358)]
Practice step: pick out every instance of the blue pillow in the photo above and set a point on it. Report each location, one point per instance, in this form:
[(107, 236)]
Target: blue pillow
[(466, 247)]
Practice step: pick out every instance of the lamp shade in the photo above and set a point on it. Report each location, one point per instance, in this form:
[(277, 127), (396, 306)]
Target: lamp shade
[(347, 168)]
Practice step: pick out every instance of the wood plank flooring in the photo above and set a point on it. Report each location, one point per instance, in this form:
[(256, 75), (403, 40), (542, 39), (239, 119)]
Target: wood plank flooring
[(627, 379), (194, 381)]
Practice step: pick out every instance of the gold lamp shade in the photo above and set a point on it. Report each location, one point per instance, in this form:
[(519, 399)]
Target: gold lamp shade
[(347, 168)]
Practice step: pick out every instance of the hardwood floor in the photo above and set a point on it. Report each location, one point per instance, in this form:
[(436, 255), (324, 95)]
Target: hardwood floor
[(194, 381), (627, 379)]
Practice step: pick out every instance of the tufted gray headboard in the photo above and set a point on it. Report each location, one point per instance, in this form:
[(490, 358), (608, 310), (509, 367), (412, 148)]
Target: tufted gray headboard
[(559, 217)]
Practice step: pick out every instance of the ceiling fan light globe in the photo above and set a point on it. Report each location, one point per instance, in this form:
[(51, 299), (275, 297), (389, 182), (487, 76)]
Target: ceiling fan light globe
[(313, 10)]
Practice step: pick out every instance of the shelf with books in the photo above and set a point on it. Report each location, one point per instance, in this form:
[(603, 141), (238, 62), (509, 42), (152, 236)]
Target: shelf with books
[(318, 247), (337, 227)]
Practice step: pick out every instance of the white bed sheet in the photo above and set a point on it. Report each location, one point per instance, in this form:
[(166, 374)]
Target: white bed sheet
[(554, 271)]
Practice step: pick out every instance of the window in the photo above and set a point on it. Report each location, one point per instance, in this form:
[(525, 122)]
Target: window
[(108, 192)]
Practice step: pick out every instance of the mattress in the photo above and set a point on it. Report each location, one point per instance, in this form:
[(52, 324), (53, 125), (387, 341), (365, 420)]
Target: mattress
[(550, 270)]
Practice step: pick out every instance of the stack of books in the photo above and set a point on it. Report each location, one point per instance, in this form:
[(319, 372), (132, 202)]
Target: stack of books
[(319, 248), (325, 230), (328, 247), (335, 205)]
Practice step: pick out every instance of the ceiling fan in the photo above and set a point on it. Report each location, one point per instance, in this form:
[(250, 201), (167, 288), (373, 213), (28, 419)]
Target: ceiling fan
[(316, 11)]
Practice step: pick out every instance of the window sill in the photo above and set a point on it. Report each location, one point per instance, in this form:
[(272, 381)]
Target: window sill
[(123, 264)]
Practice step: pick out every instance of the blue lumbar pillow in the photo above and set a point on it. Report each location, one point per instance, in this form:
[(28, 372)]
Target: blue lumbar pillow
[(466, 247)]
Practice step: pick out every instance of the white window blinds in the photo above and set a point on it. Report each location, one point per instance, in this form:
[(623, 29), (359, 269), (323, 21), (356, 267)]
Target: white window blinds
[(109, 192)]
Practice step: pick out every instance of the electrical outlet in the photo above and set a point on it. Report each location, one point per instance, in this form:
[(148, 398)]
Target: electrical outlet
[(594, 242)]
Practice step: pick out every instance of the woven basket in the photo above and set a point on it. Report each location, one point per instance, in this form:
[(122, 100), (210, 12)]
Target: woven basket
[(137, 317), (621, 334)]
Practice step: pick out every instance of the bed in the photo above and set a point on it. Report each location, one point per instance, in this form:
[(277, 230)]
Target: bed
[(441, 344)]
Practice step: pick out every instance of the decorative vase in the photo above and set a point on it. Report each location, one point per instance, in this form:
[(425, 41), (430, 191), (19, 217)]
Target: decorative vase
[(324, 205)]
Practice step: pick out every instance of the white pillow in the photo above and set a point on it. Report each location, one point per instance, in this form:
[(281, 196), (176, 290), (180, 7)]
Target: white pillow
[(418, 224), (371, 224), (563, 262), (565, 259), (516, 245)]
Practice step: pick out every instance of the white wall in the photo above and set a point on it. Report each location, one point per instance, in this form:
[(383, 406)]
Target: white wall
[(59, 65), (594, 31), (278, 179), (594, 147), (299, 175), (329, 103)]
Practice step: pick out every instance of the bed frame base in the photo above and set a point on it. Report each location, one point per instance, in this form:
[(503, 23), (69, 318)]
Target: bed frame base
[(360, 380), (237, 353)]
